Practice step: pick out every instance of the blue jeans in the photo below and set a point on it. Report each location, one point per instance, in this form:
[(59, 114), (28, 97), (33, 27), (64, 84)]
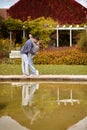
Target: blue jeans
[(25, 67), (31, 65), (27, 63)]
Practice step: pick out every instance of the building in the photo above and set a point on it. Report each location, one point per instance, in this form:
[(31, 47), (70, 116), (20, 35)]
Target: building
[(63, 11), (4, 13)]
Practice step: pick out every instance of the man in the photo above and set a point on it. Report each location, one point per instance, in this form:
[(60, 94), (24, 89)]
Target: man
[(27, 52)]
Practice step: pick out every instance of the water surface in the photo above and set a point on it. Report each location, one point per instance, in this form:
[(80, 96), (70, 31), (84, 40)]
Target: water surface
[(43, 106)]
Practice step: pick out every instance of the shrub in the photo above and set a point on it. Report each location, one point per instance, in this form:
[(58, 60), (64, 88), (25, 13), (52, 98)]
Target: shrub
[(65, 56), (82, 43), (4, 48)]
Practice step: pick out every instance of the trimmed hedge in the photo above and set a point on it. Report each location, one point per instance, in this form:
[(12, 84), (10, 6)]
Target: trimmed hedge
[(82, 42), (68, 56), (58, 56)]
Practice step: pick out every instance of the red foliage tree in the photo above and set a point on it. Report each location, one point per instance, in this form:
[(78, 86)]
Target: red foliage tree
[(63, 11)]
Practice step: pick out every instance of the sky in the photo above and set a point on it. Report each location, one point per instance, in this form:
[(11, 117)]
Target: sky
[(83, 2), (9, 3)]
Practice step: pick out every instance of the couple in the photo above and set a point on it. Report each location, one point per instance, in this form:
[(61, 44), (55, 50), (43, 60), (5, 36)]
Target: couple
[(27, 52)]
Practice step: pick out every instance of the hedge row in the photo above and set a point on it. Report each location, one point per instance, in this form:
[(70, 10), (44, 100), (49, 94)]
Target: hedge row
[(69, 56), (65, 56)]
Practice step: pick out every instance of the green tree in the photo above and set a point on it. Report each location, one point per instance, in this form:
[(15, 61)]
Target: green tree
[(82, 42), (3, 29), (13, 24), (42, 27)]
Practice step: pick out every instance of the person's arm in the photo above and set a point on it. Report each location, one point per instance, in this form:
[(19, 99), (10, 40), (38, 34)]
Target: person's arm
[(30, 47)]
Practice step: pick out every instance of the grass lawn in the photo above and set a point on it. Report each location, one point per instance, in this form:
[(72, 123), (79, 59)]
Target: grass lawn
[(13, 69)]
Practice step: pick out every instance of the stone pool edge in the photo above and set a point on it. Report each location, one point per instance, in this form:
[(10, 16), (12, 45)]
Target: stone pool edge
[(43, 78)]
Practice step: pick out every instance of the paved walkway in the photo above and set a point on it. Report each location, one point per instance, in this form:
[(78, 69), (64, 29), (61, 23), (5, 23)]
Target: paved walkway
[(43, 78)]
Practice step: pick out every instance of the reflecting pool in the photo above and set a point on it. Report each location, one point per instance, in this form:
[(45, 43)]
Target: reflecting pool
[(42, 106)]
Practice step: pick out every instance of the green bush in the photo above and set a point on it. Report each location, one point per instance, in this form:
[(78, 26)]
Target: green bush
[(82, 43), (4, 48)]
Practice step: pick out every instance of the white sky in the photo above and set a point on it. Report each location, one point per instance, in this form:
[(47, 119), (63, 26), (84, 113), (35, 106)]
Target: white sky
[(9, 3), (83, 2)]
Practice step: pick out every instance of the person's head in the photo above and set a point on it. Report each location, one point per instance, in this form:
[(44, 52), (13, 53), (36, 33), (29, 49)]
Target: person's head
[(36, 39), (41, 46), (30, 36)]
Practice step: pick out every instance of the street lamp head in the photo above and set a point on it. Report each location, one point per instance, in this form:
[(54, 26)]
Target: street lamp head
[(50, 26), (23, 26), (77, 26), (64, 26), (70, 26), (85, 26), (57, 26)]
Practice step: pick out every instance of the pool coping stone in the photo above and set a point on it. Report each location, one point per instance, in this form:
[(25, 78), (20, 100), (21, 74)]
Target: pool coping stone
[(43, 78)]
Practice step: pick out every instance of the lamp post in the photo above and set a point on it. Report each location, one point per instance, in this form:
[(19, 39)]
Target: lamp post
[(85, 28), (23, 31), (57, 35), (70, 35), (10, 37)]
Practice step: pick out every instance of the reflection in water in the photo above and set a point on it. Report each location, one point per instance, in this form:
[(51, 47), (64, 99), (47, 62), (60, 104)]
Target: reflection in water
[(28, 91), (7, 123), (45, 106), (81, 125), (65, 101), (31, 113)]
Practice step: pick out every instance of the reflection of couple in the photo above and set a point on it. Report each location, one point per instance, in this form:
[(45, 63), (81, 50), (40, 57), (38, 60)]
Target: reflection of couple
[(27, 52), (32, 112), (28, 91)]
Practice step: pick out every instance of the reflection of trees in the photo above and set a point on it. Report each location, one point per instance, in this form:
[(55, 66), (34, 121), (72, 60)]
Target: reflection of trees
[(3, 105)]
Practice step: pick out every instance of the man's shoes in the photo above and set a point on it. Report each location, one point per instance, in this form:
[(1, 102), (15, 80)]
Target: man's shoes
[(37, 73), (26, 74)]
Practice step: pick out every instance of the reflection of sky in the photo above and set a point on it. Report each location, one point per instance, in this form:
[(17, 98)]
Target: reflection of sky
[(7, 123), (7, 3)]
